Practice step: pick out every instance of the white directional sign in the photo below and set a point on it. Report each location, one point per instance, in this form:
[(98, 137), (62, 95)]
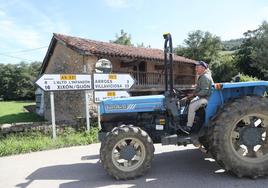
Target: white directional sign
[(63, 82), (112, 81), (102, 95)]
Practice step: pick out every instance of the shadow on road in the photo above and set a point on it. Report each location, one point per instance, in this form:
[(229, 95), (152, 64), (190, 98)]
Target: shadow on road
[(187, 168), (88, 157)]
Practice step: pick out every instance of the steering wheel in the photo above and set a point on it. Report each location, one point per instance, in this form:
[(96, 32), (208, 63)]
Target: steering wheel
[(178, 93)]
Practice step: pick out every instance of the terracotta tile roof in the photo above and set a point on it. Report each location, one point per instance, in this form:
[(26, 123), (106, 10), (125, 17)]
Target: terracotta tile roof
[(110, 49)]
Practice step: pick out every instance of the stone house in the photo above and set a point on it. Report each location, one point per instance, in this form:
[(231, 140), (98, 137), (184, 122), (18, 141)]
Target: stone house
[(74, 55)]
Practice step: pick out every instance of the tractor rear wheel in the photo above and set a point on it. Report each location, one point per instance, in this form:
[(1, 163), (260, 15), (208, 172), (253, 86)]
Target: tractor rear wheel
[(127, 152), (240, 137)]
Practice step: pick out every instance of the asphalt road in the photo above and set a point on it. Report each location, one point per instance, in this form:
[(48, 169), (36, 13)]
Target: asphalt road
[(79, 167)]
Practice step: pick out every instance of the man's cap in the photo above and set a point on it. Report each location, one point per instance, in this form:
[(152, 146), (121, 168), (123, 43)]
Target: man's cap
[(201, 63)]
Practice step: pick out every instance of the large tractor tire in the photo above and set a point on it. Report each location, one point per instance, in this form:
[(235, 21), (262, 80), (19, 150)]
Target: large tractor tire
[(127, 152), (240, 137)]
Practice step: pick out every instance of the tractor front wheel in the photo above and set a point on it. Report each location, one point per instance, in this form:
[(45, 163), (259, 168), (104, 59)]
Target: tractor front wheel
[(127, 152)]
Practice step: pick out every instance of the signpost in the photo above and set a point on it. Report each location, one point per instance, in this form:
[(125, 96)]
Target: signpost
[(64, 82), (53, 115), (106, 86), (113, 81), (87, 110), (102, 95)]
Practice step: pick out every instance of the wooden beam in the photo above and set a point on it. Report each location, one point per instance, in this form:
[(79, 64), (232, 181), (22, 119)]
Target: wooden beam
[(159, 67), (129, 64)]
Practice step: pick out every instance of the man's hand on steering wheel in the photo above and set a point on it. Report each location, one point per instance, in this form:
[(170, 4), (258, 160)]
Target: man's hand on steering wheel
[(179, 93), (190, 96)]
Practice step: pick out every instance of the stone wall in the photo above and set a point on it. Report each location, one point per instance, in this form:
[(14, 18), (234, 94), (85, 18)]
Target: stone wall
[(44, 127)]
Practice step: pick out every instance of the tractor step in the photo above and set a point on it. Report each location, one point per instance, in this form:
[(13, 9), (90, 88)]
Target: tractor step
[(175, 139)]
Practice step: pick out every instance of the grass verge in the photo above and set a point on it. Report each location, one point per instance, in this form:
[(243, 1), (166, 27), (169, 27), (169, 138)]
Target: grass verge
[(37, 141), (14, 112)]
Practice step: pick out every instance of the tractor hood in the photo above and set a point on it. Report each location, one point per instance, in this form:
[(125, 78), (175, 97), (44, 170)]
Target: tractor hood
[(133, 104), (244, 84)]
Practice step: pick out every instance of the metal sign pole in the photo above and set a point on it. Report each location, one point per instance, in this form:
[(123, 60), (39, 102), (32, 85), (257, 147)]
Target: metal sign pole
[(99, 124), (87, 111), (53, 115)]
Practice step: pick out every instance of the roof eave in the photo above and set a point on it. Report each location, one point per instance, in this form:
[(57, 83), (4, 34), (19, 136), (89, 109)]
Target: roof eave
[(48, 54), (51, 48)]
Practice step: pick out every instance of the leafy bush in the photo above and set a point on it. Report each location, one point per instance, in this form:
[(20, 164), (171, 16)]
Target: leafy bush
[(247, 78)]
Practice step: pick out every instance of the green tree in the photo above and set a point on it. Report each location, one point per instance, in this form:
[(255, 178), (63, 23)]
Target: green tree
[(122, 38), (200, 46), (142, 45), (223, 68), (231, 45), (6, 72), (252, 57), (17, 80)]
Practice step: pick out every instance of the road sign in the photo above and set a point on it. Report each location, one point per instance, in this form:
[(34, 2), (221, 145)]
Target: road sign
[(112, 81), (102, 95), (64, 82)]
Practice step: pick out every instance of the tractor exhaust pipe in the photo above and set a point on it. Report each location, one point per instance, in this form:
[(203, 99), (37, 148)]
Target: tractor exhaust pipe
[(168, 49)]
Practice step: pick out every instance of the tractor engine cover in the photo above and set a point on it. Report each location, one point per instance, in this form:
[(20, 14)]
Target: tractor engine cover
[(133, 104)]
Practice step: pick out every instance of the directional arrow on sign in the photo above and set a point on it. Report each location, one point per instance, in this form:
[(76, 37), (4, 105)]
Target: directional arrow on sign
[(63, 82), (113, 81), (103, 95)]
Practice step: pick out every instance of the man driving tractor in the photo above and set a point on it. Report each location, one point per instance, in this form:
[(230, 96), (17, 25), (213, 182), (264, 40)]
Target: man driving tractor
[(201, 93)]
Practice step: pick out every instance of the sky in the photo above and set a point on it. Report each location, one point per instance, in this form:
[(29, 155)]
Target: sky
[(27, 26)]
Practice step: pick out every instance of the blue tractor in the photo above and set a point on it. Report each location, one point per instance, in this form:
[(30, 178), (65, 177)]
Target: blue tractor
[(232, 127)]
